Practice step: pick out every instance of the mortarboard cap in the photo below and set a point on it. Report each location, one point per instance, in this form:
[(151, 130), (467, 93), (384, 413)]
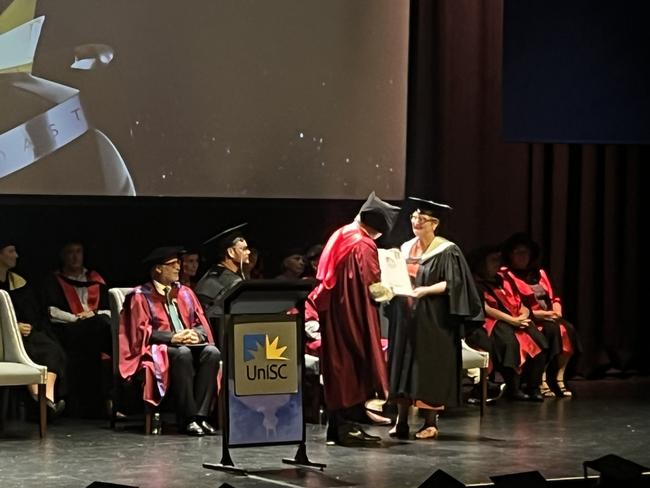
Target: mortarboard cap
[(378, 214), (617, 471), (6, 240), (161, 255), (314, 251), (519, 239), (428, 207), (529, 479), (219, 243)]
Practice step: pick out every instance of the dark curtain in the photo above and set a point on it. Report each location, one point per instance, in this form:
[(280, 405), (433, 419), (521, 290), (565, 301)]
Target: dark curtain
[(582, 203)]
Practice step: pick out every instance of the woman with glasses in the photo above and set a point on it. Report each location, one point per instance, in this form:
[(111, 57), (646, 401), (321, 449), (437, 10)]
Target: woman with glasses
[(425, 329), (521, 259)]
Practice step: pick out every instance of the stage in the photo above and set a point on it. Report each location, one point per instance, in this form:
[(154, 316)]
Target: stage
[(606, 416)]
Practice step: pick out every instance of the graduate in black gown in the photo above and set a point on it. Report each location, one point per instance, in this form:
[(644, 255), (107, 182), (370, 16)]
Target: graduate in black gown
[(425, 330), (231, 253), (76, 299), (40, 344)]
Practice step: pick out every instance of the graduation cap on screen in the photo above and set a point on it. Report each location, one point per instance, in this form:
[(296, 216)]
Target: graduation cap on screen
[(529, 479), (161, 255), (617, 471), (378, 214), (217, 245), (428, 207)]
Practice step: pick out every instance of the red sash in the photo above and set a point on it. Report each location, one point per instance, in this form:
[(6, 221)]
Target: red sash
[(71, 294)]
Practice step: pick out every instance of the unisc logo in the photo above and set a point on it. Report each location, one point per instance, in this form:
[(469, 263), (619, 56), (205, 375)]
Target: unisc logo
[(264, 358)]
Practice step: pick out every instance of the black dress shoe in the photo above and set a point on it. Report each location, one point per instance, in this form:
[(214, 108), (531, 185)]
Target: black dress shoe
[(351, 435), (535, 396), (194, 429), (207, 428), (55, 408), (517, 396)]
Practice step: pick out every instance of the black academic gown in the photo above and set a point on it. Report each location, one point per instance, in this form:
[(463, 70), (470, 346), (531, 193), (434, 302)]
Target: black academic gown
[(41, 345), (425, 358), (210, 289)]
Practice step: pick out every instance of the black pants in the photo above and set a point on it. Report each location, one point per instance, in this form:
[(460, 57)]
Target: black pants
[(193, 379), (88, 377)]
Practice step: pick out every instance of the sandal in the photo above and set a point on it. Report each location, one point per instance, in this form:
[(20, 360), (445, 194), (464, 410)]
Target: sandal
[(563, 389), (546, 391), (428, 432)]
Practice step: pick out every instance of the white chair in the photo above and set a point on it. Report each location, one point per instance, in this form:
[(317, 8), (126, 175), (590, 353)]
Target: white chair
[(16, 368), (116, 298), (473, 359)]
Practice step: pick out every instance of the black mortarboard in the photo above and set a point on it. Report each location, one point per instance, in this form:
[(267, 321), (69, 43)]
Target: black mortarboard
[(160, 255), (519, 239), (617, 471), (529, 479), (218, 244), (428, 207), (314, 251), (6, 240), (476, 258), (378, 214)]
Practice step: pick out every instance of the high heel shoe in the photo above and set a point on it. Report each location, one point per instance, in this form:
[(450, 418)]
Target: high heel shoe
[(546, 391), (565, 392)]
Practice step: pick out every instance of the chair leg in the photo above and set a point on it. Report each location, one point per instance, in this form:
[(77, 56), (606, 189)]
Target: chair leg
[(42, 407), (483, 378)]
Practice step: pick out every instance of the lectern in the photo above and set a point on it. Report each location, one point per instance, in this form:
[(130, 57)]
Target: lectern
[(261, 329)]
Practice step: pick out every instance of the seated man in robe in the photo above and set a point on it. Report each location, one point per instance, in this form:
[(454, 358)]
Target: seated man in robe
[(164, 332), (77, 303)]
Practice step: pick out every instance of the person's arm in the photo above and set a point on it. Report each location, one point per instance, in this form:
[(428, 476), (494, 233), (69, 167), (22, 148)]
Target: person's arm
[(161, 337), (507, 318), (59, 316), (435, 289)]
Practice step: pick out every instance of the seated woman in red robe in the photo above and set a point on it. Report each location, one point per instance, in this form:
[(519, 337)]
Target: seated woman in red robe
[(522, 270), (516, 346)]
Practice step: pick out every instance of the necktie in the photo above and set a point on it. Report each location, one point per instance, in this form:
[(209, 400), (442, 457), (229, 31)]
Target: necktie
[(172, 311)]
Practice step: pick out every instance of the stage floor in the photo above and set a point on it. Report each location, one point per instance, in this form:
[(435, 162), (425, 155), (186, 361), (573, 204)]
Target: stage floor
[(607, 416)]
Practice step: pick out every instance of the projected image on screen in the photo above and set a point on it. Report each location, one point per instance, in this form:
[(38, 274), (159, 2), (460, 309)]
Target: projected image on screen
[(288, 98)]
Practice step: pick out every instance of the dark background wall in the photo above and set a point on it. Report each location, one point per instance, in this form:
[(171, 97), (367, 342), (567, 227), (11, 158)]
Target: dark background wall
[(583, 203)]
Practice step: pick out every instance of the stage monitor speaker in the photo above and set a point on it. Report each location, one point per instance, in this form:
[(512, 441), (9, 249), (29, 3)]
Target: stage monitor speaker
[(102, 484), (440, 479), (616, 471), (529, 479)]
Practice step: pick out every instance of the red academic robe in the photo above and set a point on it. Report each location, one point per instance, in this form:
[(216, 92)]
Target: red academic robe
[(506, 299), (353, 363), (144, 311), (529, 299)]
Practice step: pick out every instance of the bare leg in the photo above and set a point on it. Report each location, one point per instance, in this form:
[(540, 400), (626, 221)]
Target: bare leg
[(562, 361), (401, 427), (49, 388)]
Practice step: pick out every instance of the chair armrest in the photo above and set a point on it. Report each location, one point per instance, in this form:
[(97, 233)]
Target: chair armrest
[(14, 349)]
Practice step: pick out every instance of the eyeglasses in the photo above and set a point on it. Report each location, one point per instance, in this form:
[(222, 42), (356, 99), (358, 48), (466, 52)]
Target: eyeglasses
[(422, 218)]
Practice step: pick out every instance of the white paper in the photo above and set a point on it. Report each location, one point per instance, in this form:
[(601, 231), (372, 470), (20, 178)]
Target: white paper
[(394, 274)]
